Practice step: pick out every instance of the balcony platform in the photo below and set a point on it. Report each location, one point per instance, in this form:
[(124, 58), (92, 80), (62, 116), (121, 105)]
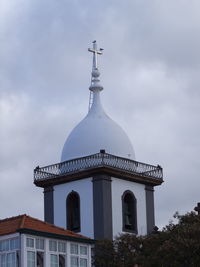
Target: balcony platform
[(100, 163)]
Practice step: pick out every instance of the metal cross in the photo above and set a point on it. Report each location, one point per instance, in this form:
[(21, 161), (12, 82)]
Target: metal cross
[(95, 52), (197, 208)]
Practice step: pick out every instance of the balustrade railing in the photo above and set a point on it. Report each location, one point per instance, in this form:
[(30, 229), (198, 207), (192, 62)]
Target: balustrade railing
[(95, 161)]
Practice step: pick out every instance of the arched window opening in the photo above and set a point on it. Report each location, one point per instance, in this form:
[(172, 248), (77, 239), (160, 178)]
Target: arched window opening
[(129, 212), (73, 212)]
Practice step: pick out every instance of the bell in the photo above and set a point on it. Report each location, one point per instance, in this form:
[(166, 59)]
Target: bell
[(128, 220)]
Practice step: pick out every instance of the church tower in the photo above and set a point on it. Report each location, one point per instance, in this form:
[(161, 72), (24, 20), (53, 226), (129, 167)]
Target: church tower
[(99, 189)]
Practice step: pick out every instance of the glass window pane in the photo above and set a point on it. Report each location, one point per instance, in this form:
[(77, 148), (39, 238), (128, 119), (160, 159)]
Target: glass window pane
[(61, 247), (11, 259), (14, 243), (83, 262), (54, 260), (5, 245), (30, 242), (74, 249), (83, 250), (30, 259), (3, 260), (74, 261), (40, 243), (52, 245)]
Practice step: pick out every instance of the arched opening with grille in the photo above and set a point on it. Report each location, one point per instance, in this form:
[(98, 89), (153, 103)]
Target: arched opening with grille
[(73, 212), (129, 212)]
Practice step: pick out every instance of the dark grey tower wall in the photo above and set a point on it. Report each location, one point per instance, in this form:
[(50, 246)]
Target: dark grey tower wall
[(102, 207), (48, 205), (150, 208)]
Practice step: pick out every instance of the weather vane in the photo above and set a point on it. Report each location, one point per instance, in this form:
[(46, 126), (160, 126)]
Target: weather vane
[(95, 52)]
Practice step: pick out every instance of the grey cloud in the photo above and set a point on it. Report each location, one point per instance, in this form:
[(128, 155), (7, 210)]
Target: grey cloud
[(150, 65)]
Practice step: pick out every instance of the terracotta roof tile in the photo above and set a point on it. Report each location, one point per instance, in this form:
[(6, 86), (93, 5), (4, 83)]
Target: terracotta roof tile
[(10, 225), (14, 224)]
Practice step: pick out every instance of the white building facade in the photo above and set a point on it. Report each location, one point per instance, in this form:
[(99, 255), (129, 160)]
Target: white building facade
[(52, 247), (85, 190)]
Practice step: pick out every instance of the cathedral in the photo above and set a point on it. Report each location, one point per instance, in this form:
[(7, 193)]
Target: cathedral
[(99, 189)]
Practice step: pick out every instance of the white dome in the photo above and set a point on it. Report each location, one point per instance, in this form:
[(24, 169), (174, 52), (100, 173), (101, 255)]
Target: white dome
[(95, 132)]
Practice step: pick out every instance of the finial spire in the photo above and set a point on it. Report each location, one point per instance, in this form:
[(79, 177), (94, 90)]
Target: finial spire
[(95, 52), (95, 85)]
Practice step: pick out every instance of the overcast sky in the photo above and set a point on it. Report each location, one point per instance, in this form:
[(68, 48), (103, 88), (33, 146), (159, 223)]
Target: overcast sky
[(150, 74)]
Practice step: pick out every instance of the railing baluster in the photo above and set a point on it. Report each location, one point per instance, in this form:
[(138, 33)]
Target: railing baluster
[(97, 160)]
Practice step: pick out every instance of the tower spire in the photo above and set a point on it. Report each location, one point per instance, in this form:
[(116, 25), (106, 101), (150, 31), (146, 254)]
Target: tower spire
[(95, 82)]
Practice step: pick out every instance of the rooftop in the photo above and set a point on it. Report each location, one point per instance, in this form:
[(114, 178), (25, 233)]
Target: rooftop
[(26, 224)]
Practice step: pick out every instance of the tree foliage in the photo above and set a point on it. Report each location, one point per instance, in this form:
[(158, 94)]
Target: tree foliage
[(176, 245)]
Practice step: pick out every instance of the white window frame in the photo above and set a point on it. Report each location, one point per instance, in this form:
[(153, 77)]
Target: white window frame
[(79, 255), (8, 249), (67, 254), (35, 259), (57, 252), (56, 255), (28, 239), (34, 249), (39, 248), (51, 241)]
